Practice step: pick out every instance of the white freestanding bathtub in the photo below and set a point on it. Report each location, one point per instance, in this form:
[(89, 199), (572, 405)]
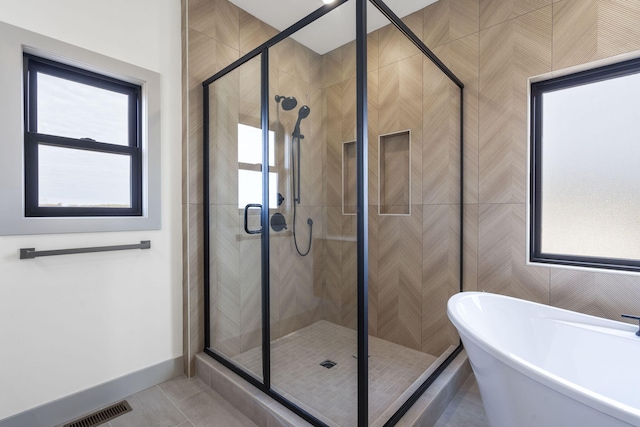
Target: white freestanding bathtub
[(542, 366)]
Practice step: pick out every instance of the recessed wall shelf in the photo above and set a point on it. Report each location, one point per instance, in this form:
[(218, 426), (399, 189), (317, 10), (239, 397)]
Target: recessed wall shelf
[(394, 173), (349, 198)]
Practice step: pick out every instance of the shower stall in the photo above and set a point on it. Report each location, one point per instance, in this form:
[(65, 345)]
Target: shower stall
[(333, 215)]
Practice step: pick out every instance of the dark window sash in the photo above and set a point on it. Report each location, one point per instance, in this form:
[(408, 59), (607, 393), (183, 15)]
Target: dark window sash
[(33, 65), (538, 89), (80, 144)]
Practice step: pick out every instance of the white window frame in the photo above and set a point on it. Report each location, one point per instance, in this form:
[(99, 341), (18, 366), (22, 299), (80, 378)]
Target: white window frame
[(14, 42)]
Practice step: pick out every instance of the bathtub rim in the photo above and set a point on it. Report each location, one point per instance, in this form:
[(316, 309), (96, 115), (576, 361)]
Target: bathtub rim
[(596, 401)]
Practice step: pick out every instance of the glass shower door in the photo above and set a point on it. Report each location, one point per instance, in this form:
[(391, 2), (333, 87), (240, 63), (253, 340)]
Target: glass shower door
[(313, 276), (235, 200)]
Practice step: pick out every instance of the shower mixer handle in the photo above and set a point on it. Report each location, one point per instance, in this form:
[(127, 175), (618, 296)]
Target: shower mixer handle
[(278, 223)]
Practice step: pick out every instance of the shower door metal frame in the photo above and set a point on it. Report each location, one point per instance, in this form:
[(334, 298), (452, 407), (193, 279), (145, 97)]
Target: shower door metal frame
[(362, 208), (362, 212)]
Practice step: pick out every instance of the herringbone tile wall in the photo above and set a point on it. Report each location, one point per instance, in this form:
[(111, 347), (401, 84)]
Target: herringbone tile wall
[(493, 46), (215, 32), (413, 258)]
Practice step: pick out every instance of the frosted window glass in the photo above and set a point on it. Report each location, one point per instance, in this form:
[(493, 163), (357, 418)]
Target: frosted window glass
[(75, 110), (590, 173), (69, 177)]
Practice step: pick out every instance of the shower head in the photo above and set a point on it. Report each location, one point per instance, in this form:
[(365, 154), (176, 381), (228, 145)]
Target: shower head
[(303, 113), (288, 102)]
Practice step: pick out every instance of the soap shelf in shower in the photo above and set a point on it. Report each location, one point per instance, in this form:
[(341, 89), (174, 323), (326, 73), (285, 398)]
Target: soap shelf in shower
[(30, 253), (394, 173), (349, 193)]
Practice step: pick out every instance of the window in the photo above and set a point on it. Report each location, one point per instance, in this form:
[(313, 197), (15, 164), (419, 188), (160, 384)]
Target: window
[(82, 142), (16, 42), (585, 152), (250, 167)]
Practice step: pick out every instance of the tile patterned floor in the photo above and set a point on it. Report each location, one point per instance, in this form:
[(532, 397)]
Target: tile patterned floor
[(180, 402), (331, 393), (188, 402), (465, 410)]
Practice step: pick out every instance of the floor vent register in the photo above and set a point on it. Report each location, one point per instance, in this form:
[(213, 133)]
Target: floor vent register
[(102, 416)]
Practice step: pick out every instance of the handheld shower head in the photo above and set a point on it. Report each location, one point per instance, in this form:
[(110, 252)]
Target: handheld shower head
[(303, 113), (288, 102)]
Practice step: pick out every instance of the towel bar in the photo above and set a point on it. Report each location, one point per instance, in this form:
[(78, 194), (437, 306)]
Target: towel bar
[(29, 253)]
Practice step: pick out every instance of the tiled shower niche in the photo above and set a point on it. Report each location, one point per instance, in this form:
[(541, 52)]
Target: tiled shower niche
[(394, 165), (349, 197)]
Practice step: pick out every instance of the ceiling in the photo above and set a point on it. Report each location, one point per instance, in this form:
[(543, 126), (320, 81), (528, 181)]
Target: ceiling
[(332, 30)]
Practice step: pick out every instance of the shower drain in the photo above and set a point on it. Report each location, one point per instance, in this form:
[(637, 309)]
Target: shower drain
[(328, 364)]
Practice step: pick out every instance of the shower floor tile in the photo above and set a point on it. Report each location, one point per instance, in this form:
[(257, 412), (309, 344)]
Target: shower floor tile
[(330, 394)]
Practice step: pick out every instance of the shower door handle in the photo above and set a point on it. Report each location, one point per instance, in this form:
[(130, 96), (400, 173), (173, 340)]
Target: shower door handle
[(246, 218)]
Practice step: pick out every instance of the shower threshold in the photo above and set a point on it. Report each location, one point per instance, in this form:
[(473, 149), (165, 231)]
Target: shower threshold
[(395, 372)]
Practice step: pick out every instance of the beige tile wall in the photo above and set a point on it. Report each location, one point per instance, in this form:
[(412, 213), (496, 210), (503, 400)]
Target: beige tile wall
[(493, 46), (408, 284), (215, 33)]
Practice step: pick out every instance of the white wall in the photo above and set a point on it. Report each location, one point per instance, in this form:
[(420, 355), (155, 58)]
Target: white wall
[(72, 322)]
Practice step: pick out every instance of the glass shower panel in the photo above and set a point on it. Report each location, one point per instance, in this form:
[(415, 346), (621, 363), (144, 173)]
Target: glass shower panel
[(235, 145), (442, 227), (313, 261), (414, 215)]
